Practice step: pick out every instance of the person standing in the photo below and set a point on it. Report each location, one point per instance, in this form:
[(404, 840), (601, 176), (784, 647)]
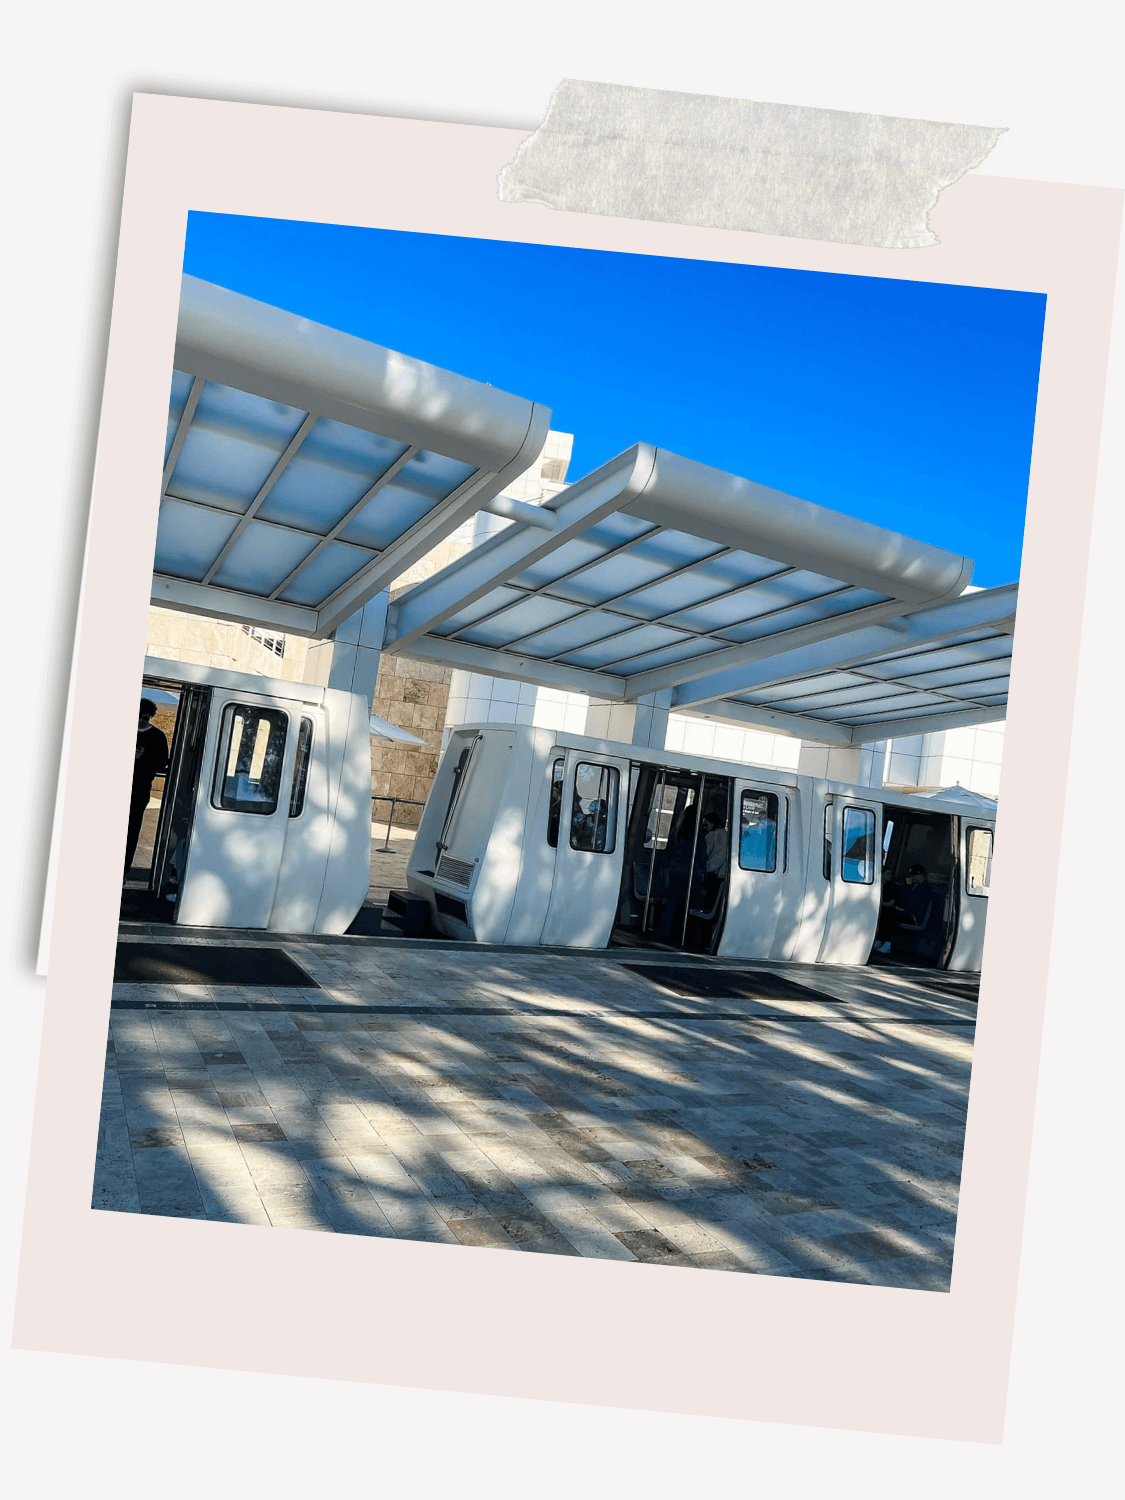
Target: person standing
[(151, 761)]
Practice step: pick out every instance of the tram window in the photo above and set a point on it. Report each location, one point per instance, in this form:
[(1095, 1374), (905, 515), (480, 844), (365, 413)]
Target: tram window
[(888, 830), (248, 765), (554, 806), (301, 769), (593, 818), (857, 864), (826, 861), (979, 873), (660, 815), (757, 841)]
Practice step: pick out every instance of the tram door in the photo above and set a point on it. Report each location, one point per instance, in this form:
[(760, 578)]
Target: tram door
[(677, 860), (584, 829), (173, 830), (850, 865), (241, 812), (921, 903)]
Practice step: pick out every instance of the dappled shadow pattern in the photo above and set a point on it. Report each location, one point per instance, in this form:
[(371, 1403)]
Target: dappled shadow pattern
[(560, 1105)]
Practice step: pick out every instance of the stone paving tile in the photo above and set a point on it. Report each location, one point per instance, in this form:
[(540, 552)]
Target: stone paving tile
[(592, 1113)]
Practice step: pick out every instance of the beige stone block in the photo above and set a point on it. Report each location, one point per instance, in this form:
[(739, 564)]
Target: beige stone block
[(424, 671)]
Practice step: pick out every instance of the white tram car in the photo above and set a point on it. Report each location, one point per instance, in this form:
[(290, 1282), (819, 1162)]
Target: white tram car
[(265, 819), (536, 837)]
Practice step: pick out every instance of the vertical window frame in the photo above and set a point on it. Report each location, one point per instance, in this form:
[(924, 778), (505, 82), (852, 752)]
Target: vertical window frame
[(990, 834), (301, 763), (555, 800)]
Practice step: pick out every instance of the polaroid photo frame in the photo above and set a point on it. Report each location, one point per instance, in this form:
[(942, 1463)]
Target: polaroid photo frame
[(431, 1316)]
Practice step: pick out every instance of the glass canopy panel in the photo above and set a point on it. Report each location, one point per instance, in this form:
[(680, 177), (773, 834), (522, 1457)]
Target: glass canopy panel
[(420, 485), (790, 619), (329, 570), (495, 599), (614, 531), (685, 650), (580, 630), (333, 470), (982, 671), (649, 559), (978, 690), (921, 706), (889, 709), (778, 592), (733, 570), (623, 645), (181, 389), (947, 653), (262, 557), (823, 682), (189, 538), (232, 446), (524, 618), (862, 692)]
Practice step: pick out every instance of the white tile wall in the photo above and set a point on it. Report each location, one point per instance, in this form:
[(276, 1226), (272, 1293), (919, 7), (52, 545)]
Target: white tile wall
[(969, 757), (750, 747)]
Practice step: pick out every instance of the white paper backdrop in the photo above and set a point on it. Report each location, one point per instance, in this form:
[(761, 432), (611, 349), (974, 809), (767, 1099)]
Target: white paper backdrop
[(1051, 75)]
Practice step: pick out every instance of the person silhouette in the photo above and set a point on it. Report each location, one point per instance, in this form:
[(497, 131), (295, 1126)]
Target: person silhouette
[(151, 761)]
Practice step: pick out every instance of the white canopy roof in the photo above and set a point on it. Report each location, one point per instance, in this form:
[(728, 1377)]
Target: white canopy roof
[(305, 469), (663, 573)]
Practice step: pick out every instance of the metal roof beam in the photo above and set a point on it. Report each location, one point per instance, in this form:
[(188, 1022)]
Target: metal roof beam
[(232, 604), (517, 547), (252, 346), (799, 726), (515, 668), (182, 426), (863, 734), (706, 502), (715, 662)]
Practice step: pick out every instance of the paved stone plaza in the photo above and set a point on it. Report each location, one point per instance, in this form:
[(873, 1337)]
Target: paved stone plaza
[(552, 1102)]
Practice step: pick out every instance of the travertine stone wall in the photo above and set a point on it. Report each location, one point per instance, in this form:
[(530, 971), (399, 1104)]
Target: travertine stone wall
[(218, 643), (414, 695)]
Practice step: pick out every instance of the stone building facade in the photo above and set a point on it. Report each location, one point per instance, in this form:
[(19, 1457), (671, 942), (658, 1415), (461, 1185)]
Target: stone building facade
[(414, 695)]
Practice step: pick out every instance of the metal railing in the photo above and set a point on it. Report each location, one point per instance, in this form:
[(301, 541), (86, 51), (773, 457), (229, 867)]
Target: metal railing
[(395, 802)]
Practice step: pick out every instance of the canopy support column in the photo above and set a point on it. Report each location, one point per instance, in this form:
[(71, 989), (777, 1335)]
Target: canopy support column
[(349, 658), (644, 722)]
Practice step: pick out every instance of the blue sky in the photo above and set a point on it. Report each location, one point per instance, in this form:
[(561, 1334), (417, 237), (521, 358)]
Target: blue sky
[(905, 403)]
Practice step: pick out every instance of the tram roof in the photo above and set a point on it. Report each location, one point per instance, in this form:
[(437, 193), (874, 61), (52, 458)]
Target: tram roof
[(305, 468)]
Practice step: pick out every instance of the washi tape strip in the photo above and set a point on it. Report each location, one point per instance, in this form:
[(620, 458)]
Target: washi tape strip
[(820, 174)]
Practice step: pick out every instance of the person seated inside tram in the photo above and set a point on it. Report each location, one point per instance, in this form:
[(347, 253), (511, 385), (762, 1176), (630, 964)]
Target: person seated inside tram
[(916, 915), (588, 826)]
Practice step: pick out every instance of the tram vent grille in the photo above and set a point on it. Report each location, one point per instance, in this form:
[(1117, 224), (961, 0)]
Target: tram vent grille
[(456, 871)]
